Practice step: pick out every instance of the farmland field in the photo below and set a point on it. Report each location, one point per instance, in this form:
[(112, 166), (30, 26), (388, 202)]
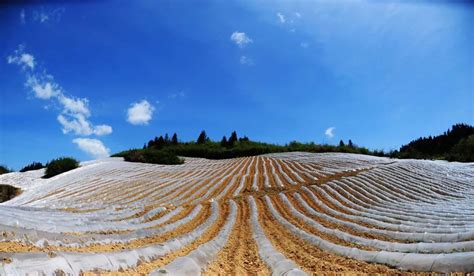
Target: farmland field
[(287, 213)]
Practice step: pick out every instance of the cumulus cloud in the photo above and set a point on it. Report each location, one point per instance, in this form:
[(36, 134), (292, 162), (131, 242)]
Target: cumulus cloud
[(74, 111), (79, 125), (76, 124), (42, 89), (102, 130), (74, 106), (240, 38), (329, 132), (93, 147), (25, 60), (246, 60), (140, 113), (281, 17)]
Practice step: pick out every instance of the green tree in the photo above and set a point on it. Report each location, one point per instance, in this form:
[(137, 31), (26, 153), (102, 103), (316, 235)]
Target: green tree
[(232, 139), (60, 165), (160, 143), (350, 144), (174, 139), (4, 169), (244, 139), (32, 166), (224, 142), (202, 139), (341, 144)]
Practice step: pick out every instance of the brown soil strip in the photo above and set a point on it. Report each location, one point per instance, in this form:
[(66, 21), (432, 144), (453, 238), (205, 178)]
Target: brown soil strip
[(137, 243), (285, 169), (335, 225), (247, 188), (297, 170), (231, 191), (146, 267), (309, 257), (282, 209), (213, 181), (334, 207), (240, 254), (79, 211), (288, 188), (48, 195)]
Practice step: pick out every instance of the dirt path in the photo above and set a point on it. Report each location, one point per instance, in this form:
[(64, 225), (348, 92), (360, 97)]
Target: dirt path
[(240, 254)]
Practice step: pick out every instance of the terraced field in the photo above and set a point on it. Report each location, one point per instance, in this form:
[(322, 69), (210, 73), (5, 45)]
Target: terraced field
[(290, 213)]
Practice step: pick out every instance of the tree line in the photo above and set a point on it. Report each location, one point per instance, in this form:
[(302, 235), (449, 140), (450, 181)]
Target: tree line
[(165, 150), (455, 144)]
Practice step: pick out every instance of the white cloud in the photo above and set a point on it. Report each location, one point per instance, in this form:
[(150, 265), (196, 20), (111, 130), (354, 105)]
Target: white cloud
[(140, 113), (298, 15), (74, 106), (246, 60), (76, 124), (44, 15), (304, 44), (22, 16), (330, 132), (42, 89), (79, 125), (179, 95), (21, 58), (240, 38), (102, 130), (281, 17), (28, 60), (93, 147), (74, 111)]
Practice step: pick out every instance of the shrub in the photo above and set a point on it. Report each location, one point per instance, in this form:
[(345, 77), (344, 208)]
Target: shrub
[(4, 169), (154, 156), (32, 166), (60, 165)]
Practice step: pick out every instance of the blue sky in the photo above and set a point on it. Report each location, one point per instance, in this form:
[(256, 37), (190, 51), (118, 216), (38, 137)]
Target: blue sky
[(87, 79)]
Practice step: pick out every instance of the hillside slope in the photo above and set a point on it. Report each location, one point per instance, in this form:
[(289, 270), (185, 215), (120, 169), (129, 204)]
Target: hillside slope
[(286, 212)]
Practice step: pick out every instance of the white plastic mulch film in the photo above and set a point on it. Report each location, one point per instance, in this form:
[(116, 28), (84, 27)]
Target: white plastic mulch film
[(111, 215)]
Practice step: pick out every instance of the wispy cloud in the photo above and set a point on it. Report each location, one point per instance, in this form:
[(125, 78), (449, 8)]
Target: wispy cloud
[(44, 15), (93, 147), (75, 112), (178, 95), (44, 88), (22, 16), (329, 132), (140, 113), (288, 20), (25, 60), (281, 17), (241, 39), (304, 44), (246, 60)]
